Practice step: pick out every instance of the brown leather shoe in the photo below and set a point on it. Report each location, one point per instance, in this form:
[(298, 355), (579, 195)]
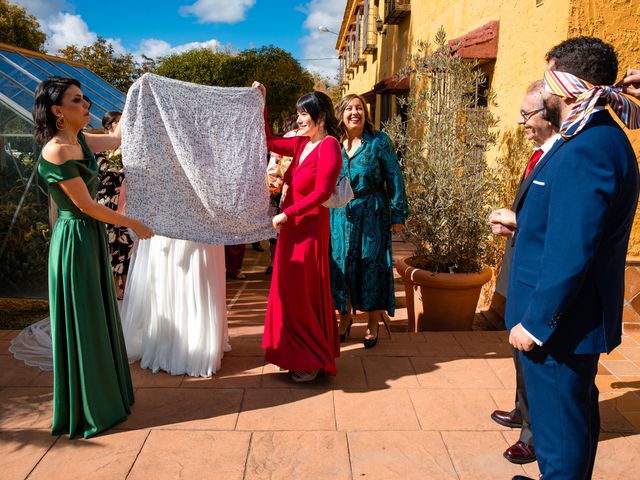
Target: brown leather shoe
[(520, 453), (507, 419)]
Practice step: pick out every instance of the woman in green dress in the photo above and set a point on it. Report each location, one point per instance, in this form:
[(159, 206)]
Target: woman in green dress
[(361, 261), (92, 388)]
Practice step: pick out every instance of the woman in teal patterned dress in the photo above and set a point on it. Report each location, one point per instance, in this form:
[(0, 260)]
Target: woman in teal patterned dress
[(361, 261), (92, 388)]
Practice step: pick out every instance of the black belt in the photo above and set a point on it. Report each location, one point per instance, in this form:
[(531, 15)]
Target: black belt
[(366, 191)]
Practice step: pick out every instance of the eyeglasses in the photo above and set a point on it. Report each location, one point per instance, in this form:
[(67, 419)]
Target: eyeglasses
[(527, 115)]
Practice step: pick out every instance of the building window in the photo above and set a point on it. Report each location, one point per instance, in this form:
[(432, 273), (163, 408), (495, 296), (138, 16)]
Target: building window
[(386, 102)]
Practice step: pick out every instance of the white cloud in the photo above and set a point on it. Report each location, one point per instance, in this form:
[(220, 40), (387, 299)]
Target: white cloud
[(45, 9), (154, 47), (218, 11), (67, 29), (315, 44)]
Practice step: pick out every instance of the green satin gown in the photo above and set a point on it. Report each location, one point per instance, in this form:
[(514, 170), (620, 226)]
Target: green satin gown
[(92, 388)]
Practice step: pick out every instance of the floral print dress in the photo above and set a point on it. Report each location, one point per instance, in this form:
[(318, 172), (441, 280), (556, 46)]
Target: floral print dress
[(110, 177)]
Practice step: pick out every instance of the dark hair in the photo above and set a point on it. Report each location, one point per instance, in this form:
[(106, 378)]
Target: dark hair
[(110, 118), (342, 106), (48, 93), (319, 107), (587, 58), (290, 123)]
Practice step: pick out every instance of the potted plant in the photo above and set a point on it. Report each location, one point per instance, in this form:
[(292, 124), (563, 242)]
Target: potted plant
[(449, 186)]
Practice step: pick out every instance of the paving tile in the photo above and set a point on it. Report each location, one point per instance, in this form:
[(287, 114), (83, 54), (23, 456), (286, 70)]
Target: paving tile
[(43, 379), (616, 354), (108, 456), (185, 408), (384, 347), (487, 349), (628, 341), (505, 370), (454, 409), (631, 282), (455, 373), (169, 455), (434, 348), (287, 409), (4, 347), (612, 421), (607, 383), (375, 410), (244, 349), (622, 367), (628, 353), (21, 450), (236, 372), (623, 402), (145, 378), (14, 373), (478, 455), (634, 419), (389, 372), (613, 458), (478, 337), (350, 373), (399, 455), (8, 334), (298, 455), (26, 407)]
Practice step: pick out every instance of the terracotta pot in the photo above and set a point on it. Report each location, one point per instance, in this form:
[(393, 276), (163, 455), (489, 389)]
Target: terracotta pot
[(440, 301)]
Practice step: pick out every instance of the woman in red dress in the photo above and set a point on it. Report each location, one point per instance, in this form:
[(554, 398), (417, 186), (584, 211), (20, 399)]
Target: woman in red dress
[(300, 331)]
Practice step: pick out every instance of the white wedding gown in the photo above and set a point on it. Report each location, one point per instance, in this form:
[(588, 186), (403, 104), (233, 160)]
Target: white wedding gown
[(174, 310)]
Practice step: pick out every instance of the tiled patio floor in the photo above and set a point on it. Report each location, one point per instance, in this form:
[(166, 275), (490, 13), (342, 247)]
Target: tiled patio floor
[(415, 407)]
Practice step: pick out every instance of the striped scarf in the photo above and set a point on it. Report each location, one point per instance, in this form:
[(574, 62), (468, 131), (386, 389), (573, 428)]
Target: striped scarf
[(567, 85)]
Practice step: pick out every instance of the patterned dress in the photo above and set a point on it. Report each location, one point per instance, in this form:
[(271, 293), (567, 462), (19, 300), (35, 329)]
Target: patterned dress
[(109, 185), (361, 261)]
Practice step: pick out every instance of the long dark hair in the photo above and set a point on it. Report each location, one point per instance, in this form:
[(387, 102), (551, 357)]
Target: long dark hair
[(48, 93), (110, 118), (342, 106), (319, 107)]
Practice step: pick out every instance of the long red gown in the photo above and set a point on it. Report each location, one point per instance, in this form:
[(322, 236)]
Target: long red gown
[(300, 331)]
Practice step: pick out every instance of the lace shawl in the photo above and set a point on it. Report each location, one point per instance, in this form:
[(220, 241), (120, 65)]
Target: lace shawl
[(195, 159)]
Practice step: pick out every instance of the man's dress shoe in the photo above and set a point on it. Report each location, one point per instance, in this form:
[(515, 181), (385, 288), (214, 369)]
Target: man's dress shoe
[(506, 419), (520, 453), (522, 477)]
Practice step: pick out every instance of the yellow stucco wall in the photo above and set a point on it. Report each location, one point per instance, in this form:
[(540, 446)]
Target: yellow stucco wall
[(526, 33), (616, 22)]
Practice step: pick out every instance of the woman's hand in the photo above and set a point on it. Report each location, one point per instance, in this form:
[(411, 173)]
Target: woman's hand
[(142, 230), (279, 220), (260, 87), (396, 227)]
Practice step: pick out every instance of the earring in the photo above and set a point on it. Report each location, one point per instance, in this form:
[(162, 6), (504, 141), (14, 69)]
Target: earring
[(60, 123)]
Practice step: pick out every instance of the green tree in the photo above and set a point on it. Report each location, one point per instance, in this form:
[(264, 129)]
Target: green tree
[(19, 28), (281, 74), (100, 57), (201, 65)]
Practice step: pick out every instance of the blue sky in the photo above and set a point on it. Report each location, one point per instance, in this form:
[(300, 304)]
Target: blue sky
[(160, 27)]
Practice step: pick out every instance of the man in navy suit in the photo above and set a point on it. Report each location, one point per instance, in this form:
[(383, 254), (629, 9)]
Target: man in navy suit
[(542, 129), (566, 285)]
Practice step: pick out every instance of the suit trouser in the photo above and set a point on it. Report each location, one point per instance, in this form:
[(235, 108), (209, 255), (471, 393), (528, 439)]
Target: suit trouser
[(563, 401), (522, 405)]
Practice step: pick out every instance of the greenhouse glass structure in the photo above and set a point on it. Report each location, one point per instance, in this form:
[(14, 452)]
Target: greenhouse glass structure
[(24, 219)]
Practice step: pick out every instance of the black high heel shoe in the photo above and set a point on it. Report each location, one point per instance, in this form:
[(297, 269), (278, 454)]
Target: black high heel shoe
[(347, 332), (372, 342)]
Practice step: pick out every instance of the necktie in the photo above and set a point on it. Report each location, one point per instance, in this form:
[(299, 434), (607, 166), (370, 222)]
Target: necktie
[(532, 162)]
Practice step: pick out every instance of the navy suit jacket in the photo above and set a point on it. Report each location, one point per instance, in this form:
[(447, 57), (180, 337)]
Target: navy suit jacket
[(566, 284)]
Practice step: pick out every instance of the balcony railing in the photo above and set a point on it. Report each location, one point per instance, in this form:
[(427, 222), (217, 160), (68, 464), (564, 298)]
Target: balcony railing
[(395, 10), (369, 40)]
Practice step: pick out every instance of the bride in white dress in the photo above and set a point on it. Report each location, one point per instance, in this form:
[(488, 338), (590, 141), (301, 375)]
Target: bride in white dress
[(174, 309)]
